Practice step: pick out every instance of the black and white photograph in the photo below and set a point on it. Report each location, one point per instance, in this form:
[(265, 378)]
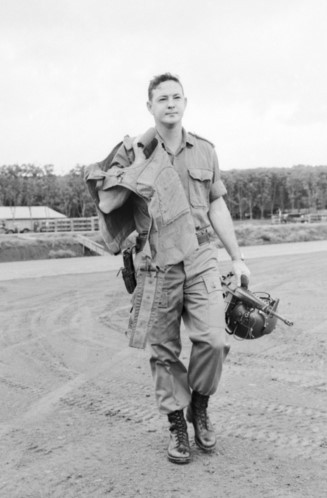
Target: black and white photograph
[(163, 249)]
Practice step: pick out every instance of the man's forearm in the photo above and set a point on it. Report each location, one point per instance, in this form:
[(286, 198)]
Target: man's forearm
[(222, 224)]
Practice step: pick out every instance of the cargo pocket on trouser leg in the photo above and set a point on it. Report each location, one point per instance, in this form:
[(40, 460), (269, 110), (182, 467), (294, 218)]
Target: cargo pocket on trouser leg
[(168, 371), (209, 338), (216, 310)]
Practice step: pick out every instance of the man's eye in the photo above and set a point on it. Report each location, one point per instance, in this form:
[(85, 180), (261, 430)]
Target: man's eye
[(177, 97)]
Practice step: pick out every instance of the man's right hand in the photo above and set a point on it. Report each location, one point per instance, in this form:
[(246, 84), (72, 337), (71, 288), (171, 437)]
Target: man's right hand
[(145, 143), (138, 153)]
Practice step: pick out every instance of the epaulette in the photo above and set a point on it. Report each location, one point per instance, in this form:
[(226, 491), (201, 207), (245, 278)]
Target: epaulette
[(128, 142), (201, 138), (147, 141)]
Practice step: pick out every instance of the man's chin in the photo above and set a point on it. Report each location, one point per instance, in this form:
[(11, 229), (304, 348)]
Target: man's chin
[(172, 124), (172, 120)]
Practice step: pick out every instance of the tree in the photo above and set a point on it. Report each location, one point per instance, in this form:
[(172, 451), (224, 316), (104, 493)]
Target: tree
[(251, 192)]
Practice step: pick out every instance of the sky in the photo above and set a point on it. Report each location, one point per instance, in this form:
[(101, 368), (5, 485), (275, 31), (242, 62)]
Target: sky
[(74, 77)]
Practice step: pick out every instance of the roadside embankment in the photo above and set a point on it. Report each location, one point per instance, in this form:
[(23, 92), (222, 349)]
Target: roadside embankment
[(24, 247)]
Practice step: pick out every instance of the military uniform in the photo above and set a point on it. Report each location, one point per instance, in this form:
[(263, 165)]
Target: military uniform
[(190, 288)]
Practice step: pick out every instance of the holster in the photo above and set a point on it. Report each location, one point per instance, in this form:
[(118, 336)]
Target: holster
[(128, 271)]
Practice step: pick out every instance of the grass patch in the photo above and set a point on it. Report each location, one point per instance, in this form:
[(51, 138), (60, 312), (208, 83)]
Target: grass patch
[(256, 234), (62, 253), (18, 247), (63, 245)]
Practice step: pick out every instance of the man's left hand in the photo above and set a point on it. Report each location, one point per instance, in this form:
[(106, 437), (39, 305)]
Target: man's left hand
[(240, 268)]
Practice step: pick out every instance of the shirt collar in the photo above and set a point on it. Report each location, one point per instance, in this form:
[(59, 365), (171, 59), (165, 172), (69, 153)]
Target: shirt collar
[(187, 139)]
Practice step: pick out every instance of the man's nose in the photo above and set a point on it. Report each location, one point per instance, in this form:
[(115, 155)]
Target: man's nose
[(171, 102)]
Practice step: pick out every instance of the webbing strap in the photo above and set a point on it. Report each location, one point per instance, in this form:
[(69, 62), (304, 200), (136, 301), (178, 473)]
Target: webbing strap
[(146, 301)]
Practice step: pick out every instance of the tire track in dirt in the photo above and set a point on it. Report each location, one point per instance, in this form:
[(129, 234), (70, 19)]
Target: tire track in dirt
[(81, 424), (279, 371), (240, 417), (260, 381), (270, 423), (47, 403), (50, 348), (265, 422)]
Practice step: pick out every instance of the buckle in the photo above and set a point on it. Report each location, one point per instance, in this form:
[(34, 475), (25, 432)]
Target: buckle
[(203, 237)]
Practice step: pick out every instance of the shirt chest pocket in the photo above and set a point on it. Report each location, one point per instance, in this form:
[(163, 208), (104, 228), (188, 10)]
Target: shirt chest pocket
[(199, 186)]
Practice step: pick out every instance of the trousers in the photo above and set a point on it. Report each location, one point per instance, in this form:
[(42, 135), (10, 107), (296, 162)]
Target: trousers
[(192, 293)]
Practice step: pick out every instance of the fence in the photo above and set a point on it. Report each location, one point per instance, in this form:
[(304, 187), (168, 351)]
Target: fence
[(307, 218), (70, 225)]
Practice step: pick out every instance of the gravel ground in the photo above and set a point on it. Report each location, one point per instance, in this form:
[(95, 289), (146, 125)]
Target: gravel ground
[(78, 417)]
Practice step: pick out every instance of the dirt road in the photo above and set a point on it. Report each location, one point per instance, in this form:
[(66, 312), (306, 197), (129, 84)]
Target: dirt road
[(78, 417)]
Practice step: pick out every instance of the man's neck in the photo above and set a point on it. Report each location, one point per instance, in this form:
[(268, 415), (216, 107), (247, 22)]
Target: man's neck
[(172, 137)]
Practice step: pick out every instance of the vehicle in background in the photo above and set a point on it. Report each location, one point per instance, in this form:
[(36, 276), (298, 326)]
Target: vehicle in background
[(89, 224), (294, 218), (19, 226)]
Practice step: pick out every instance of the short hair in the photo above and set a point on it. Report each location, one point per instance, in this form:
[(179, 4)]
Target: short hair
[(156, 80)]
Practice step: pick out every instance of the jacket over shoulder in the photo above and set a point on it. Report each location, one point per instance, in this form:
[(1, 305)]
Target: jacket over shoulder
[(172, 231), (114, 228)]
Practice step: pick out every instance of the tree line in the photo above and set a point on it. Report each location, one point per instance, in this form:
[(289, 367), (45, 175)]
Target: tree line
[(30, 185), (262, 192), (252, 193)]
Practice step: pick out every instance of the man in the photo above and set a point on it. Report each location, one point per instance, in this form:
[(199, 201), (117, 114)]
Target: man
[(176, 196)]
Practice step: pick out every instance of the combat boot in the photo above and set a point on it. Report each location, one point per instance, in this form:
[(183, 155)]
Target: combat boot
[(179, 446), (205, 436)]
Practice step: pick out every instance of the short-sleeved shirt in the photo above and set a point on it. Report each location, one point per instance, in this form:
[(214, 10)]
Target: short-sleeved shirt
[(197, 165)]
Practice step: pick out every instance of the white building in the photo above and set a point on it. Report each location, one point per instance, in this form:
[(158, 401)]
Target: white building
[(26, 218)]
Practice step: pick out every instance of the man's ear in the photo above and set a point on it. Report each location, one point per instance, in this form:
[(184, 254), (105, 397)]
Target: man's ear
[(149, 106)]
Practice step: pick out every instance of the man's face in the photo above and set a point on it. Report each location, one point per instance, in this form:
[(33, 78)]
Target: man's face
[(168, 103)]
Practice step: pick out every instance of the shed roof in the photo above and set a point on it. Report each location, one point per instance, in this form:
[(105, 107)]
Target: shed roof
[(28, 213)]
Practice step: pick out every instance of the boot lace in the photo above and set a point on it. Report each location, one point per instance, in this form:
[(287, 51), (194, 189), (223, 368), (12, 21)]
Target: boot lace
[(200, 405), (179, 428)]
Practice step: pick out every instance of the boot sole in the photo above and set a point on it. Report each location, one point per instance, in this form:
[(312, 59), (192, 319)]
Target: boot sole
[(180, 461), (204, 448), (189, 418)]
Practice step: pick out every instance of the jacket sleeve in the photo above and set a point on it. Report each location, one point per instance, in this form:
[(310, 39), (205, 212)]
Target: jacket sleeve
[(114, 209)]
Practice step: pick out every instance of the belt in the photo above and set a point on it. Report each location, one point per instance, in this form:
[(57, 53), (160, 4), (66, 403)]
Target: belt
[(203, 237)]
